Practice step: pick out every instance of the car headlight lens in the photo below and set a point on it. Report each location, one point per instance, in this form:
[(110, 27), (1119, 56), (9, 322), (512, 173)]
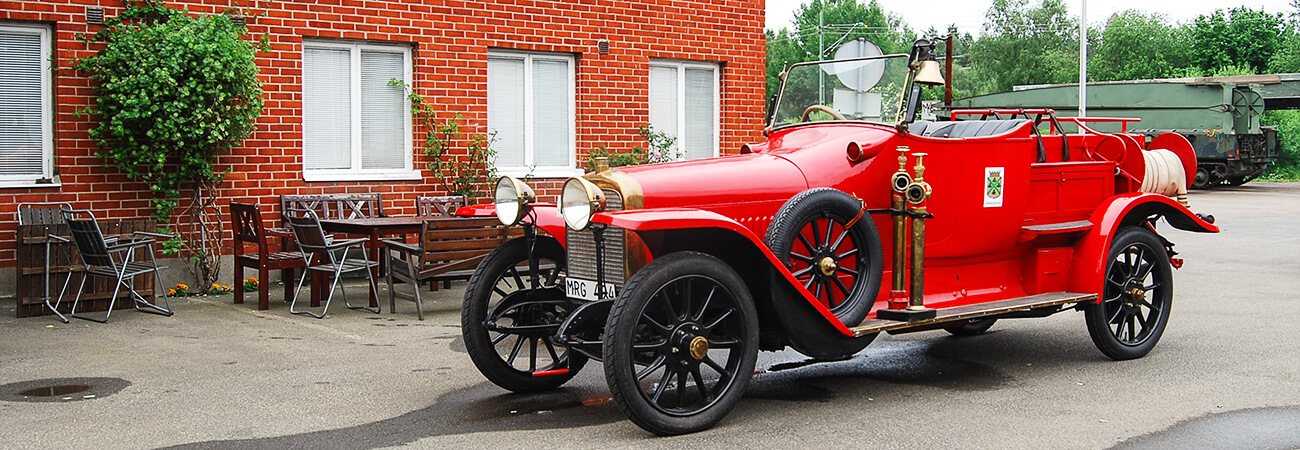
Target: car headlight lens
[(579, 201), (513, 200)]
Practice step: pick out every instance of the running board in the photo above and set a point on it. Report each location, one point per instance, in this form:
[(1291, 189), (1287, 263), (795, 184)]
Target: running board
[(955, 313)]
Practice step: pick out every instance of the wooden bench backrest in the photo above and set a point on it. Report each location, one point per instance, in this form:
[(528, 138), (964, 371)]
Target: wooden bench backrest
[(458, 244), (335, 206)]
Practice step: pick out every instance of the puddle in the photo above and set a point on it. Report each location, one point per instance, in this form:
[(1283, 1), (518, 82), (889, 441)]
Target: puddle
[(61, 389), (55, 391)]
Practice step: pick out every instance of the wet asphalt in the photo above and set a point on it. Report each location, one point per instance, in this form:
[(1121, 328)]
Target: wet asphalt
[(219, 375)]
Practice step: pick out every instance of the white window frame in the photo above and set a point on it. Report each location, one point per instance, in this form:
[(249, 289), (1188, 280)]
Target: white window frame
[(356, 173), (681, 67), (529, 169), (46, 177)]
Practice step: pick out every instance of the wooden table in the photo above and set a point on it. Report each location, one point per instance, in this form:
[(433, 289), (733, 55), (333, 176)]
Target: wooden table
[(375, 228)]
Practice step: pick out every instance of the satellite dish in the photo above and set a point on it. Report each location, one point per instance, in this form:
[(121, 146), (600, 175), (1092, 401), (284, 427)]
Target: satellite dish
[(857, 75)]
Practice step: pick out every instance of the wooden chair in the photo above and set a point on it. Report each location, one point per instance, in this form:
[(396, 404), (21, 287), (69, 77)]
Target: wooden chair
[(449, 249), (249, 231), (444, 206)]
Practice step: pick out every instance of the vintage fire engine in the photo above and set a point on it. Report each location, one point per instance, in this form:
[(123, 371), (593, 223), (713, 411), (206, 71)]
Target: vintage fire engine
[(852, 218)]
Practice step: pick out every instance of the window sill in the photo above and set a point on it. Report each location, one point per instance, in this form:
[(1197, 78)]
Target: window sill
[(540, 172), (38, 184), (329, 175)]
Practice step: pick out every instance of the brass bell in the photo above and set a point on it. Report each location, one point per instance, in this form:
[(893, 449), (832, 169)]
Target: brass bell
[(929, 73)]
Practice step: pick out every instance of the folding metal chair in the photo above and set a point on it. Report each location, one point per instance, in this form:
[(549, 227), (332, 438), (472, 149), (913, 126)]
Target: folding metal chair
[(48, 214), (330, 256), (116, 259)]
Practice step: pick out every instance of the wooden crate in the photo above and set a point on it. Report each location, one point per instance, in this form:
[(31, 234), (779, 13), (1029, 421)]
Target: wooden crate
[(65, 262)]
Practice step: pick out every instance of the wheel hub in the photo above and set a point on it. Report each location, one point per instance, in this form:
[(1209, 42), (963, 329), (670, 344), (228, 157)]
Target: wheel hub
[(1136, 296), (699, 347), (827, 266), (687, 345)]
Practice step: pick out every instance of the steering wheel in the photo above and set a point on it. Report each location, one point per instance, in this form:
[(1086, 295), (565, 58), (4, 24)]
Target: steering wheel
[(822, 108)]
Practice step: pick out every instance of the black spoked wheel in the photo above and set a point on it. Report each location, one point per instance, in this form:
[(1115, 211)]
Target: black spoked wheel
[(681, 343), (833, 248), (1135, 303), (971, 327), (508, 322)]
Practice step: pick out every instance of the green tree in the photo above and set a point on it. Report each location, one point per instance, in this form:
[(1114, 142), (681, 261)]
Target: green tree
[(1241, 36), (1025, 44), (822, 25), (1136, 46)]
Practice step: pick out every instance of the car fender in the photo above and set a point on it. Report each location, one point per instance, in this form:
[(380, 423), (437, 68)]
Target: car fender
[(1086, 274), (664, 219), (545, 215)]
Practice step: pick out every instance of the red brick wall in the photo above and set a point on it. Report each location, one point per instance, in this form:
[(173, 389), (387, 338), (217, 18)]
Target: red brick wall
[(451, 40)]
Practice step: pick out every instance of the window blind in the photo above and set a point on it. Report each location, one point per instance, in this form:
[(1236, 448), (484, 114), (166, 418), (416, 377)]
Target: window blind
[(383, 115), (700, 113), (22, 121), (327, 108), (506, 109), (552, 116), (663, 99)]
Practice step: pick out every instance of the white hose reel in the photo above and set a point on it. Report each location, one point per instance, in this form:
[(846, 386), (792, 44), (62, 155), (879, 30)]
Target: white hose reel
[(1165, 175)]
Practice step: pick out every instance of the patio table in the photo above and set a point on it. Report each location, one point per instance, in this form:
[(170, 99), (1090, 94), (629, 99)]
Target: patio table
[(374, 228)]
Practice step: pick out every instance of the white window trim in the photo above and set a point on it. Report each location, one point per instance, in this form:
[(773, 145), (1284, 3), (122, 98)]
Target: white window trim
[(356, 173), (529, 169), (46, 178), (681, 67)]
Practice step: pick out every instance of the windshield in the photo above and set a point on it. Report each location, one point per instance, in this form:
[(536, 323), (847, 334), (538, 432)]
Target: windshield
[(869, 89)]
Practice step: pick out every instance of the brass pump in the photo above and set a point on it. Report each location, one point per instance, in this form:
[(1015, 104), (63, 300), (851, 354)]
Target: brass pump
[(913, 191)]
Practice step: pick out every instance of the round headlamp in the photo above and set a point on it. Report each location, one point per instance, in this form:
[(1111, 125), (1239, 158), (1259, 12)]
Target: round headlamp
[(579, 201), (513, 199)]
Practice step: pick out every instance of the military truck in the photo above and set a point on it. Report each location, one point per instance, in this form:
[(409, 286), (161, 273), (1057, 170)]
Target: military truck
[(1219, 116)]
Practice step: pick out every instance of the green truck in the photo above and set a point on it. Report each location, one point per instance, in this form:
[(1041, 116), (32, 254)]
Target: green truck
[(1220, 116)]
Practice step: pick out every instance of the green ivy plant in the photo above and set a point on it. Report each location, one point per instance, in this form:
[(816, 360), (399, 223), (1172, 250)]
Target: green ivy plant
[(662, 147), (173, 92), (469, 175)]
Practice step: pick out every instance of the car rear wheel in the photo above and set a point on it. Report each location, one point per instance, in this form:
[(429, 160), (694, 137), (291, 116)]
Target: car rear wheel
[(509, 323), (681, 343), (1135, 303)]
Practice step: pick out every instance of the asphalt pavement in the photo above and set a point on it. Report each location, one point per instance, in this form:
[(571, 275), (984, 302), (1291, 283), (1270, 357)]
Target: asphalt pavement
[(219, 375)]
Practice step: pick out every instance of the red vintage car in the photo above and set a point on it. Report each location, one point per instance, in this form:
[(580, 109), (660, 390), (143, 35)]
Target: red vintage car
[(852, 218)]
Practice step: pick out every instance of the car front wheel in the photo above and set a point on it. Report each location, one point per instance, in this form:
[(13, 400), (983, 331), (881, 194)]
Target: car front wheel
[(681, 343)]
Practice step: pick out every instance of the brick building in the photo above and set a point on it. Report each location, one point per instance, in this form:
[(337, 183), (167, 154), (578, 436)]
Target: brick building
[(553, 79)]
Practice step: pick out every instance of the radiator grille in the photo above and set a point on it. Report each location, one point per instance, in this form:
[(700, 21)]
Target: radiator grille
[(582, 248)]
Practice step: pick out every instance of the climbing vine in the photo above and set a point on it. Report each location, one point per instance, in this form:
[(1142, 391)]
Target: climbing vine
[(470, 174)]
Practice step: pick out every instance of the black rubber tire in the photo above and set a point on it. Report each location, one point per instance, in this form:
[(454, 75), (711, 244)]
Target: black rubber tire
[(1202, 179), (972, 327), (494, 275), (855, 251), (645, 327), (1137, 262)]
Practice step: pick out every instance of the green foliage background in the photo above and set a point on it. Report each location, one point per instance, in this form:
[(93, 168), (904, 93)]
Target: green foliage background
[(174, 91), (1027, 42)]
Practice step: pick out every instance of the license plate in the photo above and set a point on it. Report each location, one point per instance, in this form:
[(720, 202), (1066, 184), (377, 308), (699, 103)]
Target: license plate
[(586, 290)]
